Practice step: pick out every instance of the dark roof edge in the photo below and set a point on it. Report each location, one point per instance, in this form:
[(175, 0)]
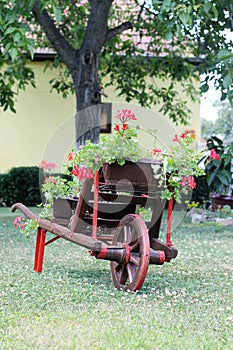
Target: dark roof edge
[(44, 56), (47, 56)]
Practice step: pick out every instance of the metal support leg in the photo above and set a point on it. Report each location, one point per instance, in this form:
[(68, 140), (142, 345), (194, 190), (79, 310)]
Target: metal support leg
[(39, 252), (169, 223), (95, 208)]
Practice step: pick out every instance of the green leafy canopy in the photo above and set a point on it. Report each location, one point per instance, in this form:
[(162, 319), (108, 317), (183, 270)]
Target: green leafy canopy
[(162, 39)]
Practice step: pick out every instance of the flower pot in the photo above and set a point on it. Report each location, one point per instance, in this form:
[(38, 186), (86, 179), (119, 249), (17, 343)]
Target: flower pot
[(139, 174), (219, 200), (63, 208)]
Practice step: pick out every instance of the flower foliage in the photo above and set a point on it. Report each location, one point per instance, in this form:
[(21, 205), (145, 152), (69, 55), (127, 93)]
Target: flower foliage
[(118, 148), (58, 186), (217, 161), (179, 165), (26, 226), (19, 221)]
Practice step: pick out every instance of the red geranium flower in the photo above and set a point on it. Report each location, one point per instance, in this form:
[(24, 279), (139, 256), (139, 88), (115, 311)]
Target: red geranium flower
[(183, 135), (117, 128), (82, 173), (70, 156), (214, 155), (124, 127), (156, 151)]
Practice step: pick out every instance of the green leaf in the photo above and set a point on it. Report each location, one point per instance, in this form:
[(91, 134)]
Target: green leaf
[(13, 53), (7, 47), (31, 50), (168, 35), (204, 88), (224, 178), (184, 17), (58, 13), (211, 178), (207, 7), (227, 81), (223, 54), (10, 30)]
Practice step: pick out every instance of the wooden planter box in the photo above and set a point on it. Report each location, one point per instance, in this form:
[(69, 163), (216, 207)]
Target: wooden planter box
[(139, 174), (219, 200), (63, 208), (136, 178)]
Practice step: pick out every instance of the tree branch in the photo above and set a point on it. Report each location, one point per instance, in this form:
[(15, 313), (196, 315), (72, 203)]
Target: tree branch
[(63, 48), (117, 30)]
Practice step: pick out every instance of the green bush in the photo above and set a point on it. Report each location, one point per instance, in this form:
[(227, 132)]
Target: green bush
[(201, 193), (21, 184)]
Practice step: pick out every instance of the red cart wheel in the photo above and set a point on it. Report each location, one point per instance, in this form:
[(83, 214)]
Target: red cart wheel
[(131, 232)]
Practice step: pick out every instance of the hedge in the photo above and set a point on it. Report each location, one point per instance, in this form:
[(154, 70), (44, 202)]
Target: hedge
[(21, 184)]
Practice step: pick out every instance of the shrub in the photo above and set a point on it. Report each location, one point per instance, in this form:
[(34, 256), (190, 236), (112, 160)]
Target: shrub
[(21, 184), (218, 165), (201, 193)]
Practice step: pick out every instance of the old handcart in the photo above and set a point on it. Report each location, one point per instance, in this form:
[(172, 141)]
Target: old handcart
[(104, 220)]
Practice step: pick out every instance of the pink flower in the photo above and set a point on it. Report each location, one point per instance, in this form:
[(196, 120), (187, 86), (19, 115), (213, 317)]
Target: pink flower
[(17, 220), (50, 179), (51, 166), (183, 181), (125, 115), (175, 139), (43, 164), (214, 155), (191, 182), (188, 181), (47, 165)]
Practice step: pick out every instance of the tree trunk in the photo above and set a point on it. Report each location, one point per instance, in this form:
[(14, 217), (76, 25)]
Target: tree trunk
[(88, 98), (83, 64), (85, 78)]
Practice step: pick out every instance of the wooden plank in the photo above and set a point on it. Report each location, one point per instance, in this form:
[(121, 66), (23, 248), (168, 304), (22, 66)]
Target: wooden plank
[(78, 238), (82, 205)]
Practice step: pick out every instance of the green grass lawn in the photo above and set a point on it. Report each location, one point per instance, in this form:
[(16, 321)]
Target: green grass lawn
[(185, 304)]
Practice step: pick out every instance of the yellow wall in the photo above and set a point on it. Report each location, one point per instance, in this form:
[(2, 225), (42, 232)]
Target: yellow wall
[(43, 127)]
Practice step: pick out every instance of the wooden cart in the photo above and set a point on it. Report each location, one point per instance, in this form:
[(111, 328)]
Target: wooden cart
[(103, 219)]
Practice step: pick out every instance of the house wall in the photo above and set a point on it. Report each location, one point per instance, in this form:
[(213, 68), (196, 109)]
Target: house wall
[(43, 127)]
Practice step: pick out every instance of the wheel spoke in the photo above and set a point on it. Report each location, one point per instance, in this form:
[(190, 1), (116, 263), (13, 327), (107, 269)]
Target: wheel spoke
[(134, 235), (127, 234), (134, 259), (133, 245), (118, 267), (124, 275), (131, 269)]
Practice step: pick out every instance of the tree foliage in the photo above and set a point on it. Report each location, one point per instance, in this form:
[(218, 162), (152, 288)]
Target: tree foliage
[(223, 125), (131, 42)]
